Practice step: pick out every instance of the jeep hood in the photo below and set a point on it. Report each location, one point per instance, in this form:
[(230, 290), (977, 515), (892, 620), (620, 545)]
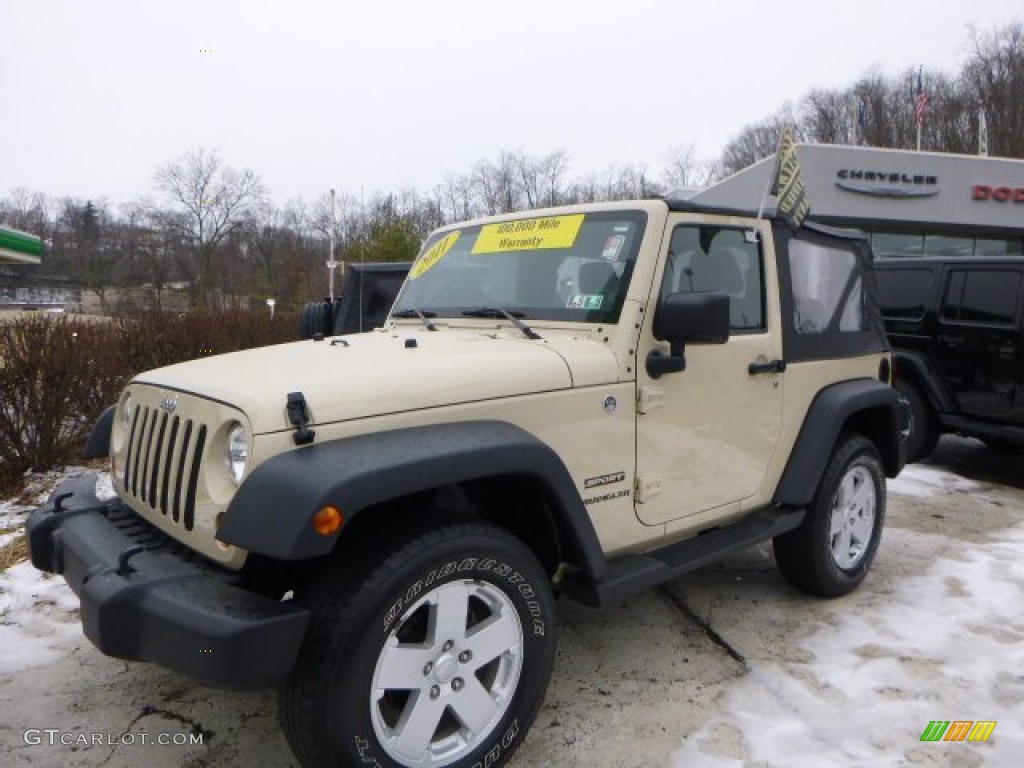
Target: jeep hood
[(377, 373)]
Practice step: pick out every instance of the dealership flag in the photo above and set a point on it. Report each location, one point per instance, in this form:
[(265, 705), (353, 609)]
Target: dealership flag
[(922, 97), (921, 111), (982, 133), (787, 183)]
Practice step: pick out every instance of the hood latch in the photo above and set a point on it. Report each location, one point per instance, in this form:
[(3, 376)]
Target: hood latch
[(298, 415)]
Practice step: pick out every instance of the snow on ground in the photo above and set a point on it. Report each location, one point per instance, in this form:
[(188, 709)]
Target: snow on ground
[(922, 481), (869, 690), (38, 612), (945, 643)]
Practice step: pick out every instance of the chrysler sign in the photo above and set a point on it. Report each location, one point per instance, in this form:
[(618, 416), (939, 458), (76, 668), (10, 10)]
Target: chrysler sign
[(887, 183)]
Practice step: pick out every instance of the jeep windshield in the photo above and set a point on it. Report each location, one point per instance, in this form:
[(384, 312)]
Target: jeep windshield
[(571, 267)]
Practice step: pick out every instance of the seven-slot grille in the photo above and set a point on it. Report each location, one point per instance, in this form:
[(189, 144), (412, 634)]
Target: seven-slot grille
[(161, 468)]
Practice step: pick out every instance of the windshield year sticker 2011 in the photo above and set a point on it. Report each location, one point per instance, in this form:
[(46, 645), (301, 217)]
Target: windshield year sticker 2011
[(433, 255), (529, 234)]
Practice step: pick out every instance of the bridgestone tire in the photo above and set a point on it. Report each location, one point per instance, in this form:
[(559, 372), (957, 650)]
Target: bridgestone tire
[(924, 427), (830, 553), (438, 652)]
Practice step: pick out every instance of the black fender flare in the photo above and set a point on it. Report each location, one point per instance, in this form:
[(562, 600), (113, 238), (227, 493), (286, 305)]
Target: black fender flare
[(273, 510), (917, 369), (98, 444), (828, 413)]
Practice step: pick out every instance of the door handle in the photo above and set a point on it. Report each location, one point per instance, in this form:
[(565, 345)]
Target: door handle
[(775, 366)]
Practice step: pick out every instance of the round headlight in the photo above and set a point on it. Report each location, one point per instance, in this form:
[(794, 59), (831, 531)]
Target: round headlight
[(127, 411), (237, 452)]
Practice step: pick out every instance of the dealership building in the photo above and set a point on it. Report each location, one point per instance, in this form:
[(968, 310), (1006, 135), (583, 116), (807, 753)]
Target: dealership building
[(909, 203)]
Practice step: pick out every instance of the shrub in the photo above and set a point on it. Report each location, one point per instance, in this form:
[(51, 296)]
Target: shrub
[(57, 375)]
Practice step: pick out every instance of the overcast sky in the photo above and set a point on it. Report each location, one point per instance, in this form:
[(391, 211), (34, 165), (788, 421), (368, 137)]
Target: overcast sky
[(388, 94)]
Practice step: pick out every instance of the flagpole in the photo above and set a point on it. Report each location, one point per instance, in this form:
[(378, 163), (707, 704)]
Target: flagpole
[(920, 105)]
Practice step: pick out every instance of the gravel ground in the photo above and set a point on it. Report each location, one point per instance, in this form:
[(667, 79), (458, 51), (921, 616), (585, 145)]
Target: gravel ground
[(726, 667)]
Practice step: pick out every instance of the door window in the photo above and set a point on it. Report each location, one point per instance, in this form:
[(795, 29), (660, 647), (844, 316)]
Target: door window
[(709, 258), (903, 293), (982, 296)]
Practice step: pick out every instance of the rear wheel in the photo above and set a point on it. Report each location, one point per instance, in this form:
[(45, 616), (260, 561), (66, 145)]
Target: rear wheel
[(439, 656), (924, 427), (832, 550)]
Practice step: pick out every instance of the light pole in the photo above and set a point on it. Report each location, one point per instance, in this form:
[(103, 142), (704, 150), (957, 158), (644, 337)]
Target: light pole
[(331, 263), (271, 303)]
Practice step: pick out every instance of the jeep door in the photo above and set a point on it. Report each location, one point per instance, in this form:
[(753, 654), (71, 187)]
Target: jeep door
[(978, 340), (706, 435)]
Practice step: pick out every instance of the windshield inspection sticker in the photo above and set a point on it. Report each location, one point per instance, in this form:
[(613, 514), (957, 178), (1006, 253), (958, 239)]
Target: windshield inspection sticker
[(529, 234), (434, 254), (586, 301), (612, 246)]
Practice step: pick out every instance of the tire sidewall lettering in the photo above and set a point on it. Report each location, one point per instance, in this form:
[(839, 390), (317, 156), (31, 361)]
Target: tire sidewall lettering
[(529, 601), (522, 588)]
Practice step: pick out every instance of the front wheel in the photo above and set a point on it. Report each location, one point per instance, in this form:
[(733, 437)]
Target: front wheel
[(832, 550), (439, 656)]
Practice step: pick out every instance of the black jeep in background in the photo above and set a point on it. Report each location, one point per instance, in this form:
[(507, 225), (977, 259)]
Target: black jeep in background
[(366, 297), (957, 331)]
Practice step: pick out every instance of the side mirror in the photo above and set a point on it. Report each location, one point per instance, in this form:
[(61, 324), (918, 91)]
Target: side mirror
[(682, 318)]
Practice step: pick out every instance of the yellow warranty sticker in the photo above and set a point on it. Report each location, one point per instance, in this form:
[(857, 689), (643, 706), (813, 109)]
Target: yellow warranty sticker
[(529, 234), (434, 254)]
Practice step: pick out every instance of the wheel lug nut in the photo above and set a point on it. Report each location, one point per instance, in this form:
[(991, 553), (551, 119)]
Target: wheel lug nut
[(457, 684), (428, 668), (435, 691), (448, 646), (465, 656)]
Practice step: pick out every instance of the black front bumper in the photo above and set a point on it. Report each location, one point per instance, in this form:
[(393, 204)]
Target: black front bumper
[(146, 598)]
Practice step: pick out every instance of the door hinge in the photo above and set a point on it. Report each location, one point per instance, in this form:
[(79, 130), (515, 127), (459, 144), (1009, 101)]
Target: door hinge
[(648, 488), (649, 399)]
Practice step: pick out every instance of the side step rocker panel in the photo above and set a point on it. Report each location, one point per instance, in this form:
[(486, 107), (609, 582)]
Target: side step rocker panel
[(630, 574)]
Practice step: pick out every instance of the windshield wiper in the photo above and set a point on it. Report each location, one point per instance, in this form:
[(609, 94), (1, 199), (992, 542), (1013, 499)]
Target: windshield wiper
[(424, 316), (512, 317)]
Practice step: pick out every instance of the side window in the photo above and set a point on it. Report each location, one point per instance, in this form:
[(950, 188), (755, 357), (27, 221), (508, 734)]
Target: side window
[(708, 258), (903, 293), (982, 296), (827, 290)]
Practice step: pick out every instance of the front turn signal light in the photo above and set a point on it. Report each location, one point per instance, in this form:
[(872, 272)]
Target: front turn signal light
[(328, 520)]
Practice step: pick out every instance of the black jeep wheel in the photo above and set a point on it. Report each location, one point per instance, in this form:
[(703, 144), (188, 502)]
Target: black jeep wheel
[(832, 550), (924, 427), (438, 654)]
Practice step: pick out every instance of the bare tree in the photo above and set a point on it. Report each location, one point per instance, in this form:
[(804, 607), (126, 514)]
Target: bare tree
[(212, 201), (28, 211), (757, 141), (995, 74), (552, 169), (685, 169)]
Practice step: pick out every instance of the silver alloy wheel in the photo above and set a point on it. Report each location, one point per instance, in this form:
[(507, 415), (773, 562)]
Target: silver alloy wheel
[(446, 674), (853, 517)]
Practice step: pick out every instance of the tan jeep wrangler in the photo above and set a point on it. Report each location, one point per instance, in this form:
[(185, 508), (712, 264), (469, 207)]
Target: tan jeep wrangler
[(591, 400)]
